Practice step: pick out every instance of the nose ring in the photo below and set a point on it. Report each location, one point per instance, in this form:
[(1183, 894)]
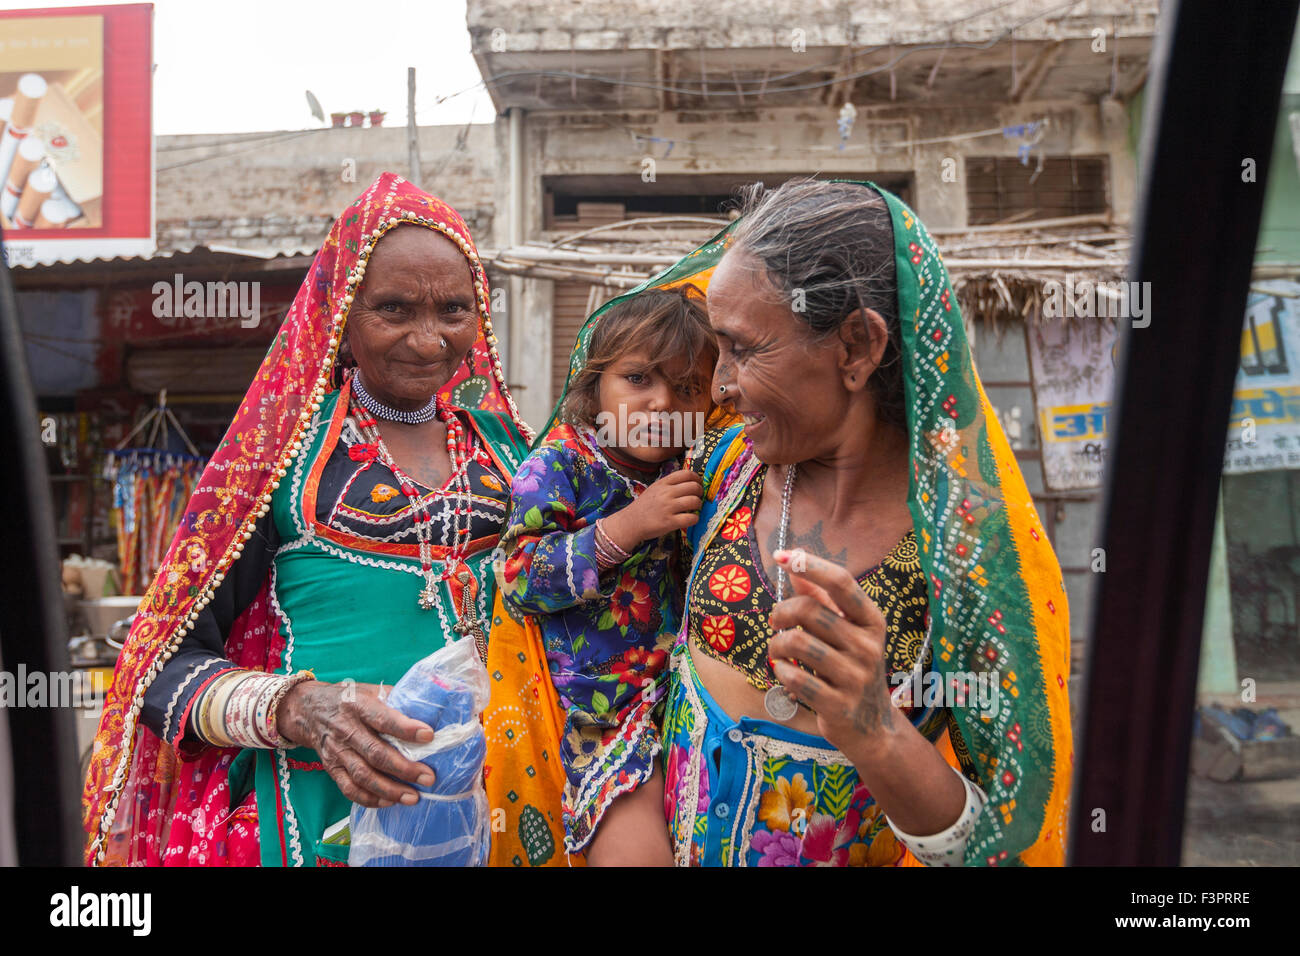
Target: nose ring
[(722, 389), (442, 342)]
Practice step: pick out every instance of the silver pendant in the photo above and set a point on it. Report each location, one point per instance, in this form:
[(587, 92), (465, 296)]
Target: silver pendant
[(428, 598), (779, 703)]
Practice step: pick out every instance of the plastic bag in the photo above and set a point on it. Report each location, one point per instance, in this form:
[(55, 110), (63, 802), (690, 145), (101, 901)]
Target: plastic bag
[(450, 825)]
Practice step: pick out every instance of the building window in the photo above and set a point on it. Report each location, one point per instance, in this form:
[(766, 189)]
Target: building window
[(999, 188)]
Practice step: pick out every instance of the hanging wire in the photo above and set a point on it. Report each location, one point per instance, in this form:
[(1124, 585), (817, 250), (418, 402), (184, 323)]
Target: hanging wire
[(741, 90)]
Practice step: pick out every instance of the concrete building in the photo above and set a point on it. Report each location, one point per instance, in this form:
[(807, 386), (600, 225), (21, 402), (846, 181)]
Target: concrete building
[(976, 113), (1010, 128), (280, 192), (662, 108)]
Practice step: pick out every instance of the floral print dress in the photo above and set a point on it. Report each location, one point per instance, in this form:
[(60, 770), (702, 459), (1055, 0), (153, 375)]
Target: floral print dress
[(607, 635)]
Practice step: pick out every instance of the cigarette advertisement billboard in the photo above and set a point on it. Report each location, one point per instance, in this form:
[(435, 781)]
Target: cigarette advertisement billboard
[(76, 133)]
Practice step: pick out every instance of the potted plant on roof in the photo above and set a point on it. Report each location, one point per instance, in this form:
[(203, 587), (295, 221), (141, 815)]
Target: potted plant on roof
[(356, 118), (377, 117), (338, 119)]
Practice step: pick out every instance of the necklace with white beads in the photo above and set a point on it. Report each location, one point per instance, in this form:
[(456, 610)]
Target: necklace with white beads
[(382, 411)]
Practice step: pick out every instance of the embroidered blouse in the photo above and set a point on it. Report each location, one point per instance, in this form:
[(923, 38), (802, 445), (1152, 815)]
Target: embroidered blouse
[(357, 495), (733, 597), (729, 606)]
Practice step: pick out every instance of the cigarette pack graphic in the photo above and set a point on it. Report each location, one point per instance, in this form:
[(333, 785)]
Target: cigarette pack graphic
[(47, 130), (76, 149), (55, 213), (74, 146)]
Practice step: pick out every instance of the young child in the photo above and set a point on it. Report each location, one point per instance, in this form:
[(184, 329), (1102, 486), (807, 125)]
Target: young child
[(593, 549)]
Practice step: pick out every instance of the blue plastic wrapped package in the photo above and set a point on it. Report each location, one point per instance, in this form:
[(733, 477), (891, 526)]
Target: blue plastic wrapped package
[(449, 826)]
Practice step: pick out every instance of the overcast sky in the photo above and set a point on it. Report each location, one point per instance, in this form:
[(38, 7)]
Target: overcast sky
[(234, 66)]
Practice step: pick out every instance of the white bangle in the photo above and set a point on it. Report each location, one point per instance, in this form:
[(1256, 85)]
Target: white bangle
[(239, 709), (947, 847)]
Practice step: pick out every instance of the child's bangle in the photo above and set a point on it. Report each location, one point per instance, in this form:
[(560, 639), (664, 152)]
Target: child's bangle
[(609, 542), (607, 552), (605, 560)]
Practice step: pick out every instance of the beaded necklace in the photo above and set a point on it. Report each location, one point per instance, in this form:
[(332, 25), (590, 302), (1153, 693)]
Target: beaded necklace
[(460, 451), (380, 410)]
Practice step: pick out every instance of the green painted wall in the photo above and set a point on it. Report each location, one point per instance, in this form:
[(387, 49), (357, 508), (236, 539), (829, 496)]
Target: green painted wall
[(1279, 234), (1255, 512)]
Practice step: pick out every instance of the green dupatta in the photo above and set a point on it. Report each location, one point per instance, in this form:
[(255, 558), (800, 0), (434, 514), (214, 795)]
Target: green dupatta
[(998, 606)]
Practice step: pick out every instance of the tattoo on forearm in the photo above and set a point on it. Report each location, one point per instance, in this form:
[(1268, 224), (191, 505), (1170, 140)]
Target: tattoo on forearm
[(871, 713)]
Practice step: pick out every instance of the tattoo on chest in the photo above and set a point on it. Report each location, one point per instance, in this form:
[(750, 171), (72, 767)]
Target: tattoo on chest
[(811, 541), (431, 472), (421, 463)]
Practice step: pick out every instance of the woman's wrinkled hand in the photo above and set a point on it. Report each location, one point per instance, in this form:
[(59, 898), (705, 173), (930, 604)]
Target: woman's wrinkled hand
[(343, 723), (832, 626)]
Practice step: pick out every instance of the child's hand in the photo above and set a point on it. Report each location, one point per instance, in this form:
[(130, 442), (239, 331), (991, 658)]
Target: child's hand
[(670, 504)]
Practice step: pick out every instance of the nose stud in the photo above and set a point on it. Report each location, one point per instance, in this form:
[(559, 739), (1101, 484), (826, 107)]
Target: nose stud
[(722, 389)]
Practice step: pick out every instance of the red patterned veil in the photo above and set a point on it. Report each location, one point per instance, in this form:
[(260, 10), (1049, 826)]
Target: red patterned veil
[(145, 803)]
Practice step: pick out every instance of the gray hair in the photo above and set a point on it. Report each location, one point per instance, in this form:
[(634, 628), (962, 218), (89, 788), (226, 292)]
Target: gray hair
[(829, 249)]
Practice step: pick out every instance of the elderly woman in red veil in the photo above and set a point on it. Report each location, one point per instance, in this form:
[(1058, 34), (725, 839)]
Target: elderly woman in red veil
[(342, 531)]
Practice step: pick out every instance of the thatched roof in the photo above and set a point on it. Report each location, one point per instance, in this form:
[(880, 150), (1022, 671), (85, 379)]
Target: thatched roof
[(998, 272)]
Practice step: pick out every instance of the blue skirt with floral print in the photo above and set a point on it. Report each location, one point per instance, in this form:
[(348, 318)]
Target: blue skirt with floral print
[(756, 793)]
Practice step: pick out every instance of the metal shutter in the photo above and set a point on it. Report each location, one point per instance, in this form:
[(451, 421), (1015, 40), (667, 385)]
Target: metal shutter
[(573, 302), (999, 187)]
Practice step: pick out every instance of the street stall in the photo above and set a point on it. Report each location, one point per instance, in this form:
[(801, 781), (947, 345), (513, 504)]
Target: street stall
[(134, 390)]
